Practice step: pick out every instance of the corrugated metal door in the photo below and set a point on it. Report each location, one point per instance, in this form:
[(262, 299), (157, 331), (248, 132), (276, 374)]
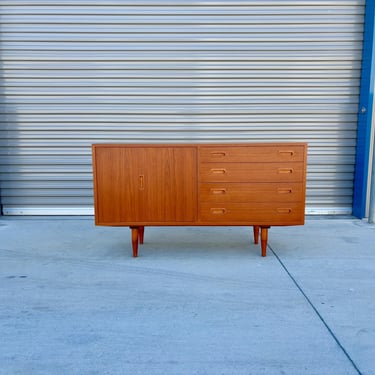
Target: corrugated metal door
[(79, 72)]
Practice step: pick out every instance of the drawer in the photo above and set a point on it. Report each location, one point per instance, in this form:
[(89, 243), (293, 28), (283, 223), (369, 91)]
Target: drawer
[(249, 153), (251, 172), (267, 213), (251, 192)]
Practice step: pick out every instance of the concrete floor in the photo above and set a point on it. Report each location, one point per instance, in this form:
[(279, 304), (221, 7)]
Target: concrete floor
[(197, 301)]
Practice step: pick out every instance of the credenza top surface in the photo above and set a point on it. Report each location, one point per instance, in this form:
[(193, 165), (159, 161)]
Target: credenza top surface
[(229, 144)]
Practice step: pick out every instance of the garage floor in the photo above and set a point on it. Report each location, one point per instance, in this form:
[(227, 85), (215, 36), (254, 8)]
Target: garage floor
[(197, 300)]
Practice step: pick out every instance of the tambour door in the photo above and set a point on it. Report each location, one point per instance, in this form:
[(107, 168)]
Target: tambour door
[(144, 184)]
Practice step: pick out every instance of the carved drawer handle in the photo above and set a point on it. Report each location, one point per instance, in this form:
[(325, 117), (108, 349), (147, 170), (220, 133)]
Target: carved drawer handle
[(285, 170), (284, 191), (218, 211), (284, 210), (218, 171), (218, 191), (141, 182), (289, 152), (219, 154)]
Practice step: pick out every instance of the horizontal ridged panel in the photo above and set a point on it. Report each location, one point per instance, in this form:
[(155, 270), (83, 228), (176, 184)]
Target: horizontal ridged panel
[(78, 72)]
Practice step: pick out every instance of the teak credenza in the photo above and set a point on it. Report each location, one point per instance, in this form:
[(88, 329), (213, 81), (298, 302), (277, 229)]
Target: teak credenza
[(244, 184)]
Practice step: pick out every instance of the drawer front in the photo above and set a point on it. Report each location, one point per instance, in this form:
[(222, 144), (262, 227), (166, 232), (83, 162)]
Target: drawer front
[(253, 213), (265, 153), (251, 192), (251, 172)]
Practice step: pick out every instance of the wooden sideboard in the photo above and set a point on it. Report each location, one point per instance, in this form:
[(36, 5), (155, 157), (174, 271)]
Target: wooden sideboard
[(242, 184)]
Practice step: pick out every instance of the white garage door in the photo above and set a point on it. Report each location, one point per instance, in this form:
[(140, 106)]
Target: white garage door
[(79, 72)]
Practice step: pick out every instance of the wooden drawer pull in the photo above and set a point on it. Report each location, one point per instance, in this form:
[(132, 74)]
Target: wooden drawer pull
[(287, 152), (218, 211), (218, 154), (284, 210), (218, 171), (284, 191), (218, 191), (285, 170)]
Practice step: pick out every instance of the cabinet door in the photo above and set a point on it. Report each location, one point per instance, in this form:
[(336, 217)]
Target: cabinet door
[(147, 185)]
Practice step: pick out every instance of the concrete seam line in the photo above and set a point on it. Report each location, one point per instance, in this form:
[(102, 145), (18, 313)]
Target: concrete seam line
[(316, 311)]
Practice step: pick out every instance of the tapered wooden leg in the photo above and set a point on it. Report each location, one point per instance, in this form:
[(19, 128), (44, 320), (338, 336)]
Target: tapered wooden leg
[(141, 234), (135, 234), (264, 240), (256, 233)]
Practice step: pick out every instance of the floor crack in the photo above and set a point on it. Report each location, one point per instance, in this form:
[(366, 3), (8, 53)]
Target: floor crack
[(316, 311)]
